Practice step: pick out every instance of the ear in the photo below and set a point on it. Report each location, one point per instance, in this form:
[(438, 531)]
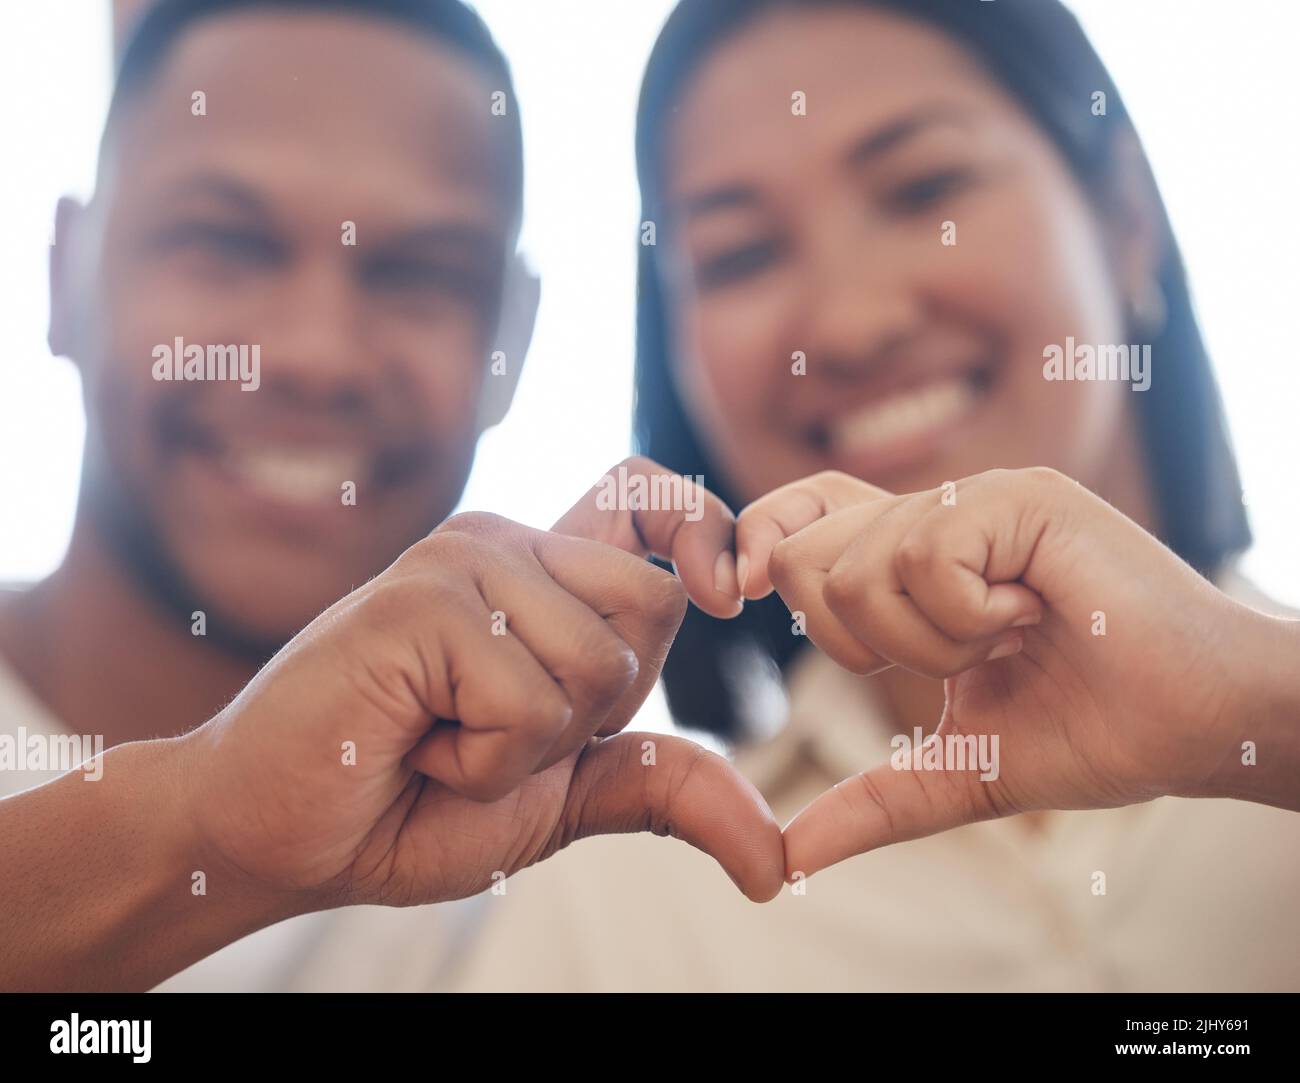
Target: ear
[(520, 296), (67, 279), (1136, 228)]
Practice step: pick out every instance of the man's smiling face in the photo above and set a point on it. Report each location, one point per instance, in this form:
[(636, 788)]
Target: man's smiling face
[(227, 228)]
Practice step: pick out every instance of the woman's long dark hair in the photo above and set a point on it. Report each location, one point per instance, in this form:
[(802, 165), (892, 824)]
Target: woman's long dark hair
[(1037, 51)]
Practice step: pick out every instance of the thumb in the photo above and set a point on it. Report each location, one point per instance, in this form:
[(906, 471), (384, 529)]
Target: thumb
[(672, 786), (879, 807)]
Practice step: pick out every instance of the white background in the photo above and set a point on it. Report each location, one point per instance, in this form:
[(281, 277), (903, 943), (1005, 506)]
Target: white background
[(1212, 87)]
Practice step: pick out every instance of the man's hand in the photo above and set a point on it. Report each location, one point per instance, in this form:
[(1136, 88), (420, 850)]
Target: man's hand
[(444, 725)]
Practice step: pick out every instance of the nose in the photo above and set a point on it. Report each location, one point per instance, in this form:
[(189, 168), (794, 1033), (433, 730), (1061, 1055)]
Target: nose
[(860, 307), (314, 346)]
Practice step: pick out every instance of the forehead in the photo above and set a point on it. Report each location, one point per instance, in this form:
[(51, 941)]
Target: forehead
[(320, 105), (858, 67)]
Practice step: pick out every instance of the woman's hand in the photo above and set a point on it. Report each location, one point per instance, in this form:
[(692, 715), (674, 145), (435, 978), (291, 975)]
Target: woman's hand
[(1107, 671)]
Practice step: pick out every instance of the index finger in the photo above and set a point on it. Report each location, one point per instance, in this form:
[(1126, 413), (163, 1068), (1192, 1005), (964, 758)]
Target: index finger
[(771, 519), (648, 510)]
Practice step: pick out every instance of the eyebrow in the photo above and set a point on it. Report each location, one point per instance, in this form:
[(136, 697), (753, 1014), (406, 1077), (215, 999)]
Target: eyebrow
[(883, 140), (221, 187), (449, 234), (873, 145), (239, 196), (718, 199)]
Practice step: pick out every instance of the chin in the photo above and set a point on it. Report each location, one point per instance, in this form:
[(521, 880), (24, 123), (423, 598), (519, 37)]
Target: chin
[(261, 614)]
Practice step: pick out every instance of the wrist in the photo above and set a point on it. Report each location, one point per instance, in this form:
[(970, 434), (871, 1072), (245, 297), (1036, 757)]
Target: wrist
[(1256, 740), (106, 898), (195, 904), (249, 903)]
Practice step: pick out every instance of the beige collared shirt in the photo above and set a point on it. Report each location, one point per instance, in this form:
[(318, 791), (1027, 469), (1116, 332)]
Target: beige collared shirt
[(1199, 894)]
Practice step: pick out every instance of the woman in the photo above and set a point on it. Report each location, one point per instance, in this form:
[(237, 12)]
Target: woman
[(878, 223)]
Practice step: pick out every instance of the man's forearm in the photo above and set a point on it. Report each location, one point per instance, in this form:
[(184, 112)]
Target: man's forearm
[(103, 884)]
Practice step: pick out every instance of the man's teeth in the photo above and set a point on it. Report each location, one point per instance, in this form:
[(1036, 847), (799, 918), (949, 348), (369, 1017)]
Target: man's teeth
[(296, 475), (903, 415)]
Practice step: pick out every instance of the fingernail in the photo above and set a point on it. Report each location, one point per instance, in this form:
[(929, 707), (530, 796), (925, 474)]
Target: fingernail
[(1025, 622), (1006, 647), (724, 575), (742, 571)]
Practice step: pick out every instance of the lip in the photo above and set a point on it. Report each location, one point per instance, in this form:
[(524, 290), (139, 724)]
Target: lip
[(262, 507), (930, 414)]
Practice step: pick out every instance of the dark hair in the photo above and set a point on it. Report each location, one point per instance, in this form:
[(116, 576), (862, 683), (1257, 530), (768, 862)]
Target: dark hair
[(1038, 52), (450, 21)]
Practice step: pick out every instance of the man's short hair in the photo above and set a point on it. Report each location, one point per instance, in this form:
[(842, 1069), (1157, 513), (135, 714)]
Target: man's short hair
[(449, 21)]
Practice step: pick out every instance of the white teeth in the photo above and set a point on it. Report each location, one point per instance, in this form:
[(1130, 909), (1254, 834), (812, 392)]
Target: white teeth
[(903, 415), (295, 475)]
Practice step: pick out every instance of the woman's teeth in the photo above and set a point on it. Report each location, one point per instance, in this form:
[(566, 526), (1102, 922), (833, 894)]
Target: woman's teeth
[(296, 475), (904, 415)]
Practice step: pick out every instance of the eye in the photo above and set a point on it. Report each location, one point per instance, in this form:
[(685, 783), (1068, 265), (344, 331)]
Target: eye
[(737, 264), (419, 275), (229, 244), (425, 289), (924, 192)]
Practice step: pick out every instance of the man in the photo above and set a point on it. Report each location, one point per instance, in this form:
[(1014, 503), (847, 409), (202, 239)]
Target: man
[(322, 200)]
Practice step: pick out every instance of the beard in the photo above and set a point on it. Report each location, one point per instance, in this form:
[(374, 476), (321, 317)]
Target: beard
[(137, 543)]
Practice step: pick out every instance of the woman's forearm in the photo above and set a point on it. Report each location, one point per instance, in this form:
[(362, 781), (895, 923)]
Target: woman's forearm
[(1261, 756), (103, 883)]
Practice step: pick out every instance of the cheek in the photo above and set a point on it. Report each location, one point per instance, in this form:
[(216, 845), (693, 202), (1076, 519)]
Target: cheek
[(1030, 262), (438, 386), (122, 397), (727, 358), (433, 399), (1030, 269)]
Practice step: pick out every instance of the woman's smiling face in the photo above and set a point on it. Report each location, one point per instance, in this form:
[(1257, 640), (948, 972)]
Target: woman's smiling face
[(821, 236)]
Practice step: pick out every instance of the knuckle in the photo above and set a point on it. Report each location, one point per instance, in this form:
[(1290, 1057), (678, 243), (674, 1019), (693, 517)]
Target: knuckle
[(663, 600), (1040, 476), (698, 759), (608, 666), (835, 479), (545, 714), (846, 588), (915, 554), (639, 465), (475, 524), (445, 546), (863, 792), (389, 605), (781, 564)]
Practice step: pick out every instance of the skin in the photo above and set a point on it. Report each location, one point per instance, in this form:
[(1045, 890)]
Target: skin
[(788, 234), (519, 762), (477, 754), (226, 228), (995, 588)]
